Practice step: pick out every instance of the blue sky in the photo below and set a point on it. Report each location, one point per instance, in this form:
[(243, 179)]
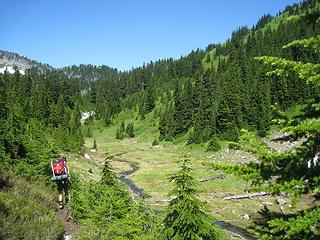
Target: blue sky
[(122, 33)]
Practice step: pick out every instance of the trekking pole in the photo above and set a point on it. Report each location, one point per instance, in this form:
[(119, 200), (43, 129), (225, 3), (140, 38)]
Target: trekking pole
[(69, 194), (52, 170)]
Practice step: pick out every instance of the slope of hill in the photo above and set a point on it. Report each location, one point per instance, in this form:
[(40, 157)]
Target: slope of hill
[(265, 23), (88, 73), (213, 93)]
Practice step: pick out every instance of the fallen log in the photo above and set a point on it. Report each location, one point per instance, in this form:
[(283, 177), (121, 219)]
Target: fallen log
[(221, 176), (253, 195), (236, 235)]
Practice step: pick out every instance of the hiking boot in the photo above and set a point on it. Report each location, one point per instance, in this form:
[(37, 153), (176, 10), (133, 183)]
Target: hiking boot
[(60, 205)]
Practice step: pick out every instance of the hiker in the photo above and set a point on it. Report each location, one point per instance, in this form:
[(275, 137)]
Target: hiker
[(61, 175)]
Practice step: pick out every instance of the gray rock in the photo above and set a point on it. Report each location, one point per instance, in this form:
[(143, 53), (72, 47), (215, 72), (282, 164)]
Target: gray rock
[(281, 201), (246, 217)]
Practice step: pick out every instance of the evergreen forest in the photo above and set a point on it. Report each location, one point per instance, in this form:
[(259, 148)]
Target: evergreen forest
[(222, 143)]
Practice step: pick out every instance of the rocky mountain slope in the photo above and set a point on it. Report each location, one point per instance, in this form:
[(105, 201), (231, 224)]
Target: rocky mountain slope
[(9, 61)]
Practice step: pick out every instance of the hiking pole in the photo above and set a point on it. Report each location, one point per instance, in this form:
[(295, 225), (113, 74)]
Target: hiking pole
[(52, 170)]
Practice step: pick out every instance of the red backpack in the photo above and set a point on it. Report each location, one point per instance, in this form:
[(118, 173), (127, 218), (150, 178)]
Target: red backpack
[(59, 167)]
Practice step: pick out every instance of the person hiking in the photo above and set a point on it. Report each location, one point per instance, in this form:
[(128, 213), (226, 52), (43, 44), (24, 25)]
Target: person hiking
[(61, 175)]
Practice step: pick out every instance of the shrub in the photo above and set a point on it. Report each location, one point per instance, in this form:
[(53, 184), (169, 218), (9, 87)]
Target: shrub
[(155, 142), (213, 145)]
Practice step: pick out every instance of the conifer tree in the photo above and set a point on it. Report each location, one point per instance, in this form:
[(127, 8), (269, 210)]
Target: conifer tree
[(166, 123), (203, 116), (108, 177), (94, 144), (178, 113), (149, 104), (3, 109), (142, 109), (108, 115), (119, 134), (130, 130), (121, 131), (93, 92), (75, 120), (186, 216), (208, 58), (297, 170), (122, 127)]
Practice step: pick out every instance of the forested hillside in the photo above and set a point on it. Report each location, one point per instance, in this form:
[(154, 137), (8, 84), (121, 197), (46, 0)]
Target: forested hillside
[(228, 96), (88, 74), (40, 118), (216, 92)]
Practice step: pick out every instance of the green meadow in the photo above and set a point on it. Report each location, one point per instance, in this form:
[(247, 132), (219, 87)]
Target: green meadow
[(157, 162)]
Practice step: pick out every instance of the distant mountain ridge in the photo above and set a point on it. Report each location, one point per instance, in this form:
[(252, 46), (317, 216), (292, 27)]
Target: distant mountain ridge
[(211, 56), (88, 71), (10, 60)]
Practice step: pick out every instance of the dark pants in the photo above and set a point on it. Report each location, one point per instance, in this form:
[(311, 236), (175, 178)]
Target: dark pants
[(63, 187)]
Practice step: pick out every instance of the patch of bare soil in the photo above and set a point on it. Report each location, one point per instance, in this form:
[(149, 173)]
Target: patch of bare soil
[(279, 141), (71, 227)]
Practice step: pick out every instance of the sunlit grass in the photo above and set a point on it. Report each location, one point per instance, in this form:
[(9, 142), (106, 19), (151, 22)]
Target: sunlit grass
[(158, 162)]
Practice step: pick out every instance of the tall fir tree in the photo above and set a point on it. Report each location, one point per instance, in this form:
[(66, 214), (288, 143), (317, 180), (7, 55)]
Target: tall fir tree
[(186, 216), (108, 177)]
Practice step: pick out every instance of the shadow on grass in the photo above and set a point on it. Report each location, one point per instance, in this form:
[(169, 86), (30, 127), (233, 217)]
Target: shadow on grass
[(261, 222), (237, 230), (262, 227), (5, 181)]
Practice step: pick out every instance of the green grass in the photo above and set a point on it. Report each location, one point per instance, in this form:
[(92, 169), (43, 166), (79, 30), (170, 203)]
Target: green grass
[(284, 17), (214, 60), (156, 163)]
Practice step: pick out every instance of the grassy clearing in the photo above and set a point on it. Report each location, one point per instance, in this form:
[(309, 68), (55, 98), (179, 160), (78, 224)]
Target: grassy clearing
[(214, 60), (85, 169), (156, 163)]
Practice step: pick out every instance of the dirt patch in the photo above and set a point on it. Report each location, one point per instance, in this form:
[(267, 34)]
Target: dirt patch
[(70, 226), (240, 232), (279, 142)]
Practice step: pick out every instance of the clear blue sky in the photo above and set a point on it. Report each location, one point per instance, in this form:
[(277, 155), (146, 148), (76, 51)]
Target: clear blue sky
[(122, 33)]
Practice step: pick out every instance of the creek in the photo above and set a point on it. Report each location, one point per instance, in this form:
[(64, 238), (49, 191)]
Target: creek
[(123, 177)]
